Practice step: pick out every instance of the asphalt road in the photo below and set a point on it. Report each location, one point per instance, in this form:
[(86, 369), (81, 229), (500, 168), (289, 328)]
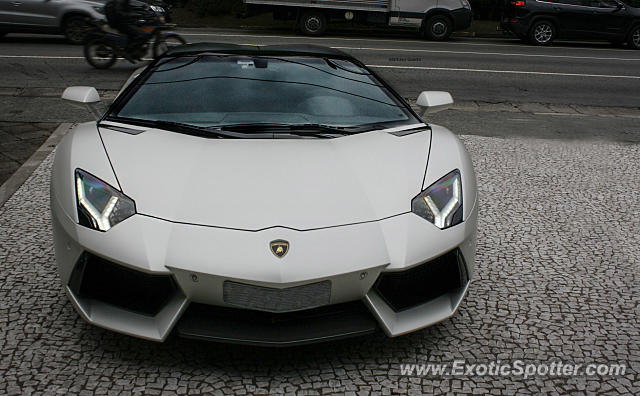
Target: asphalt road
[(557, 265), (490, 70), (501, 87)]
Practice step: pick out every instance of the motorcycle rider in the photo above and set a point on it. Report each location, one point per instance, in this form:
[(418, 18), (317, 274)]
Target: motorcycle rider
[(122, 16)]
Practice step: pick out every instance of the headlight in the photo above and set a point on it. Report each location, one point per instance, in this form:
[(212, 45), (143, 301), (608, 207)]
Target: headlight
[(441, 203), (465, 4), (99, 9), (100, 206), (157, 9)]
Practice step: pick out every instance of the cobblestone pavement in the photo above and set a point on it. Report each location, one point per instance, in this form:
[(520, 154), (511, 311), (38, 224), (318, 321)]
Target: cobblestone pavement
[(18, 140), (557, 279)]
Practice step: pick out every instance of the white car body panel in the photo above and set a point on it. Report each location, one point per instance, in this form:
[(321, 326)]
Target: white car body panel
[(211, 254), (227, 183), (453, 156), (207, 210), (82, 149)]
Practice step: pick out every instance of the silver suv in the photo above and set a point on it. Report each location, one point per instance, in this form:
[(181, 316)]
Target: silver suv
[(68, 17)]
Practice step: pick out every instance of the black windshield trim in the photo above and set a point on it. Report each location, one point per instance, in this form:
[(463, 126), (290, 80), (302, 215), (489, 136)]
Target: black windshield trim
[(254, 131), (192, 61), (186, 129)]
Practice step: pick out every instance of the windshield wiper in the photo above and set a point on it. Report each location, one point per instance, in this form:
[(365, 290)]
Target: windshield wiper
[(177, 127), (243, 131), (291, 129)]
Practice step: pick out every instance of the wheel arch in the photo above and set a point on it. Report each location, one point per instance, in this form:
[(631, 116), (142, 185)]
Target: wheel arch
[(544, 17), (72, 13), (301, 10), (634, 24), (436, 12)]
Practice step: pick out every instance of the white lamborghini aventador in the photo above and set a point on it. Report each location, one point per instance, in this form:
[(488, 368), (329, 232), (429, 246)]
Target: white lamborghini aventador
[(271, 195)]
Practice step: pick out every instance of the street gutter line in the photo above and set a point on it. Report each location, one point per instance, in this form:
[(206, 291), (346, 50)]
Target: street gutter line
[(42, 56), (484, 53), (470, 53), (502, 71), (562, 114), (417, 41), (13, 183), (403, 67)]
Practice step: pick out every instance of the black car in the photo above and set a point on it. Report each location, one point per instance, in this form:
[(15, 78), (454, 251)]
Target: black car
[(540, 22)]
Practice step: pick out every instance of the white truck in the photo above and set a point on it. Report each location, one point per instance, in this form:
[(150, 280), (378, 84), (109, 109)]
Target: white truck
[(435, 19)]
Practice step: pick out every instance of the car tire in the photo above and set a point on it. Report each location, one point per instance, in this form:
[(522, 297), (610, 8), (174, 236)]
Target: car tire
[(312, 23), (100, 54), (75, 29), (438, 28), (634, 38), (542, 33)]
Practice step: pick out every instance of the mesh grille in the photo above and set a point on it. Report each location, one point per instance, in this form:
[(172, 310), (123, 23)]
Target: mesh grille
[(277, 300)]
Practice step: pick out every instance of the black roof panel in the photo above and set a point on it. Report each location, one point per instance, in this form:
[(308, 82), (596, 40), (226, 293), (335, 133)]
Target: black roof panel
[(282, 50)]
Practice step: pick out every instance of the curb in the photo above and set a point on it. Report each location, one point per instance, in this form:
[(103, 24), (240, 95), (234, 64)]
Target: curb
[(9, 187), (277, 29)]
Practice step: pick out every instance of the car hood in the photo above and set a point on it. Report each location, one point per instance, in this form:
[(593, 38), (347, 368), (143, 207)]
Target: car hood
[(253, 184)]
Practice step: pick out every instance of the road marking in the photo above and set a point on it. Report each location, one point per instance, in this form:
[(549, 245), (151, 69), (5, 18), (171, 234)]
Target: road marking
[(562, 114), (471, 53), (416, 41), (485, 53), (503, 71), (435, 51), (42, 56), (402, 67)]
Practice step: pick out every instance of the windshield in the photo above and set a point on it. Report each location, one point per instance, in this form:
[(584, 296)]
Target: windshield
[(227, 90), (632, 3)]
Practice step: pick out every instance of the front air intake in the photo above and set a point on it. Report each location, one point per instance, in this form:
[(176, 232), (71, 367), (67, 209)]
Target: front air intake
[(102, 280), (406, 289)]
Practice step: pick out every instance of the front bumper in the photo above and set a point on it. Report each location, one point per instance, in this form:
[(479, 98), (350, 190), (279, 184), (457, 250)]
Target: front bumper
[(200, 261)]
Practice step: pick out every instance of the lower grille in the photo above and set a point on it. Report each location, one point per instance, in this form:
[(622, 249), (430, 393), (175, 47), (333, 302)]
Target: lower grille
[(243, 326), (98, 279), (277, 300), (406, 289)]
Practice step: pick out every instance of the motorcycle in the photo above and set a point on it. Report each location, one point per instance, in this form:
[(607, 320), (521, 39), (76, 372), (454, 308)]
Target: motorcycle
[(105, 44)]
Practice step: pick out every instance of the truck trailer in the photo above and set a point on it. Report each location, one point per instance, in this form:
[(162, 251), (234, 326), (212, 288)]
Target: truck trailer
[(434, 19)]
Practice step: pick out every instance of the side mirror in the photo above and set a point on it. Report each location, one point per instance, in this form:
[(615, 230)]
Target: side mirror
[(433, 101), (81, 94), (86, 98)]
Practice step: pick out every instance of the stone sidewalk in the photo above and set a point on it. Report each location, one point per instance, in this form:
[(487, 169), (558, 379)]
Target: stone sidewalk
[(29, 115), (18, 140), (557, 279)]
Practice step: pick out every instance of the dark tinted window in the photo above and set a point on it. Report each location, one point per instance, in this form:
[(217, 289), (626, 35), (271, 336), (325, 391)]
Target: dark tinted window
[(604, 3), (217, 90), (571, 2)]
